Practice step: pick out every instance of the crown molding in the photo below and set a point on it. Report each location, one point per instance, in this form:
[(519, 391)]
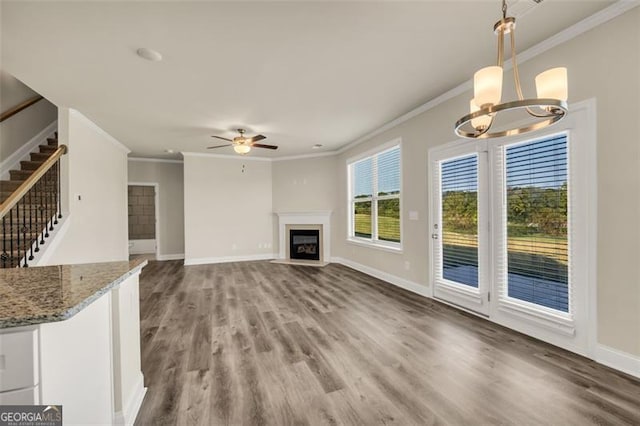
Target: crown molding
[(589, 23), (226, 157), (305, 156), (154, 160)]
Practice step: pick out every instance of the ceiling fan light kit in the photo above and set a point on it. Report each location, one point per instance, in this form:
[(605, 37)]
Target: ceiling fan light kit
[(241, 144), (549, 107)]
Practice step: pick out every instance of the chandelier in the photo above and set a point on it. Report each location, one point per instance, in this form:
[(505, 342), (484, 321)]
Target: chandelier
[(548, 108)]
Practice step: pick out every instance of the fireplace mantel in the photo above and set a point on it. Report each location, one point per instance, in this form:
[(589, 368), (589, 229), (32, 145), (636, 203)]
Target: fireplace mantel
[(316, 217)]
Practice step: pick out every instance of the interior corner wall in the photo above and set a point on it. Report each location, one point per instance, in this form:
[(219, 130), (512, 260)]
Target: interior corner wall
[(22, 127), (170, 180), (596, 70), (94, 175), (228, 213)]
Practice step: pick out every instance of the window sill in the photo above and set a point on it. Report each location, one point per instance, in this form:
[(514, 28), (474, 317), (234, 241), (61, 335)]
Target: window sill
[(552, 321), (379, 246)]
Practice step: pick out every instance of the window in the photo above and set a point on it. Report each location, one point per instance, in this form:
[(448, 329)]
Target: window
[(460, 220), (537, 222), (374, 198)]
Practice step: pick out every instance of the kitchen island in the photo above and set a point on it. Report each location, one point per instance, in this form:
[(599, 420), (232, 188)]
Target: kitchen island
[(70, 336)]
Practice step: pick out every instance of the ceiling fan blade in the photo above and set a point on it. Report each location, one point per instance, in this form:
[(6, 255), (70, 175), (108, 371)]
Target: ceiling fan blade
[(257, 138), (259, 145), (219, 146), (224, 139)]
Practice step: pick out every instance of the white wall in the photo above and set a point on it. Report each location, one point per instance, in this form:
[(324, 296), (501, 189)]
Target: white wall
[(19, 129), (227, 208), (170, 180), (95, 169), (596, 69)]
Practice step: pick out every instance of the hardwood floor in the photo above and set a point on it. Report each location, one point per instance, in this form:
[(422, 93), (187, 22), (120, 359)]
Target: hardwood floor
[(259, 343)]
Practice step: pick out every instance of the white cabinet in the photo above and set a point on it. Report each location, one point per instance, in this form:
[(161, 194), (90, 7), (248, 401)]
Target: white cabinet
[(89, 363)]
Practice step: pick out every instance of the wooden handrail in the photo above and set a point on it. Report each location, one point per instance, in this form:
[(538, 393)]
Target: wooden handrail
[(17, 195), (16, 109)]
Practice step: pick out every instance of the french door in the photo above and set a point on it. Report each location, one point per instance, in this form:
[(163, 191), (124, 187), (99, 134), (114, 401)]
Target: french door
[(513, 232), (459, 229)]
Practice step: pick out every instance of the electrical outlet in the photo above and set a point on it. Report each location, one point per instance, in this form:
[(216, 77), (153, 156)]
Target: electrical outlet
[(234, 246), (407, 265)]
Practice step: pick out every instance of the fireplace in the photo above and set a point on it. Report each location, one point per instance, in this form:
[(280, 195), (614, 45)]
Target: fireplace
[(304, 244), (318, 221)]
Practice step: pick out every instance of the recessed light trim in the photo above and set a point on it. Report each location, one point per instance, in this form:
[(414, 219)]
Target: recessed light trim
[(149, 54)]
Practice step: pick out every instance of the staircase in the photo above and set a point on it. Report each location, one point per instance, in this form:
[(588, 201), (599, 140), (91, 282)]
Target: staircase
[(30, 205)]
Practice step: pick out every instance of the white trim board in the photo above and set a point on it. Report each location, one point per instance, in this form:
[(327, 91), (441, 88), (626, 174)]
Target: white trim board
[(154, 160), (618, 360), (175, 256), (23, 153), (227, 259), (403, 283)]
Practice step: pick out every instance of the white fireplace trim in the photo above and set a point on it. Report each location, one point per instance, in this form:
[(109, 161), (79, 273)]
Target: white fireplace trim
[(318, 217)]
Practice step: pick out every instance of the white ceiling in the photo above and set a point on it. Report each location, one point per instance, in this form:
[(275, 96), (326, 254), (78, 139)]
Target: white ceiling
[(301, 73)]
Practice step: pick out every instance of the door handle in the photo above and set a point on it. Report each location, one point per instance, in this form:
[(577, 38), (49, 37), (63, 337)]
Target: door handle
[(434, 236)]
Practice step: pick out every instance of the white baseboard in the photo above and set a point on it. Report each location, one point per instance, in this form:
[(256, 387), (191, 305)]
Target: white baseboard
[(618, 360), (392, 279), (128, 416), (226, 259), (177, 256), (12, 162)]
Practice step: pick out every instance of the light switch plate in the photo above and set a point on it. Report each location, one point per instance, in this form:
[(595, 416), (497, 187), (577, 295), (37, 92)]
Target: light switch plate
[(413, 215)]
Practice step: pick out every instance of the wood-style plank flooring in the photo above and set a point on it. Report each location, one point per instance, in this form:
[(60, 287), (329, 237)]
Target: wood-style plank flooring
[(259, 343)]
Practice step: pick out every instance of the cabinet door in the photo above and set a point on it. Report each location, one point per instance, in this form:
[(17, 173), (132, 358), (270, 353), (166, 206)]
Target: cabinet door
[(18, 359)]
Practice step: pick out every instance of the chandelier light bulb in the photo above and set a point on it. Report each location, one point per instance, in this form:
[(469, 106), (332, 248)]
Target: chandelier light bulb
[(487, 86), (552, 84), (479, 123)]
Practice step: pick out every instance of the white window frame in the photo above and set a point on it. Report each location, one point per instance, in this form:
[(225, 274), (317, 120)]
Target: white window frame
[(373, 241), (576, 330)]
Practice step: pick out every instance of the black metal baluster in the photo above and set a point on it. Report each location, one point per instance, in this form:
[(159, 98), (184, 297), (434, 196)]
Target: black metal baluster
[(46, 207), (34, 209), (52, 215), (11, 238), (30, 194), (4, 255), (17, 230), (41, 209), (24, 230), (59, 190)]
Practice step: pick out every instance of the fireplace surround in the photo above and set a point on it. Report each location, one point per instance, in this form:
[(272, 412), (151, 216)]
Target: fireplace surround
[(319, 221)]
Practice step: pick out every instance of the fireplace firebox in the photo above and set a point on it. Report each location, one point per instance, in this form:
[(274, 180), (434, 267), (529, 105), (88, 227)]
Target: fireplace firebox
[(304, 244)]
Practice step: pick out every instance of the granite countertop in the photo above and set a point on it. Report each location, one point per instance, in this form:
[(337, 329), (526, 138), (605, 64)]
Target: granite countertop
[(38, 295)]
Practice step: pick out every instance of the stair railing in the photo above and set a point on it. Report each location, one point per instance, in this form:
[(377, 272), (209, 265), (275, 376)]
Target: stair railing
[(31, 212)]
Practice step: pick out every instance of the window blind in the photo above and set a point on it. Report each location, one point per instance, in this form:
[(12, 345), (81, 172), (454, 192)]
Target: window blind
[(388, 189), (537, 222), (459, 201)]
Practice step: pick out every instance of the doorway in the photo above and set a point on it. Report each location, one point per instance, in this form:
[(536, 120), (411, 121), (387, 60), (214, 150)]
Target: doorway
[(143, 220)]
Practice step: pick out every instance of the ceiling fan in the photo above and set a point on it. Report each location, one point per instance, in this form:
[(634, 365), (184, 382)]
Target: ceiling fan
[(242, 144)]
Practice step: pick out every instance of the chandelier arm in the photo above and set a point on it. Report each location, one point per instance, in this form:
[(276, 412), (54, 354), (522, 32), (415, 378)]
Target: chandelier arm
[(516, 76), (501, 48)]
